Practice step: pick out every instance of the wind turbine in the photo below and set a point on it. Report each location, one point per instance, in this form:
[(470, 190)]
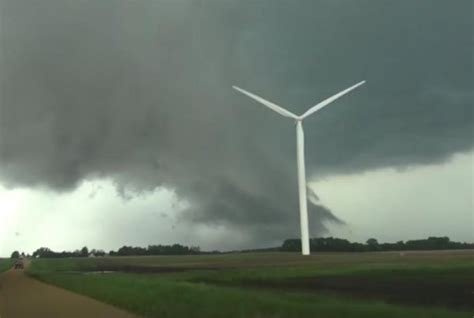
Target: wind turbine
[(300, 152)]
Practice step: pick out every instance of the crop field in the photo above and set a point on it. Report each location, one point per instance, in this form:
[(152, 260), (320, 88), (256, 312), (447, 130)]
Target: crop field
[(5, 263), (384, 284)]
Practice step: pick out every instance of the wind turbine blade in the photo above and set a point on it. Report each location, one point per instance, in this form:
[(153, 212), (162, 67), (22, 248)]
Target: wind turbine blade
[(265, 102), (329, 100)]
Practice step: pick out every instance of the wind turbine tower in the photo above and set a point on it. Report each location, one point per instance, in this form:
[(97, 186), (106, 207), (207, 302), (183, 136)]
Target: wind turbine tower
[(300, 152)]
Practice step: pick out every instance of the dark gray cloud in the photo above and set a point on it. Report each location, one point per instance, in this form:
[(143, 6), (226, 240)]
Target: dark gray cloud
[(140, 92)]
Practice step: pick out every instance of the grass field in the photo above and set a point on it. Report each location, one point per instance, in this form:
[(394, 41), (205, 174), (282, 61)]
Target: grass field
[(5, 264), (423, 284)]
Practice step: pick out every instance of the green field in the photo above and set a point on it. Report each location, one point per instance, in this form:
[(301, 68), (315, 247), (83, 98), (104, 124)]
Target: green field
[(5, 264), (423, 284)]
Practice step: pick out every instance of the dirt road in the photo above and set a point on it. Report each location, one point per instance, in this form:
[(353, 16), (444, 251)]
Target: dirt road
[(24, 297)]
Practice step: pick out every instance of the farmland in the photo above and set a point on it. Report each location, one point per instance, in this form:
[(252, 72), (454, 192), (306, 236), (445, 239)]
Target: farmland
[(410, 284), (5, 263)]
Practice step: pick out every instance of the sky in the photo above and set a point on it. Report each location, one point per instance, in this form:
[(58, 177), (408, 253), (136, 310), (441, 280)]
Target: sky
[(118, 123)]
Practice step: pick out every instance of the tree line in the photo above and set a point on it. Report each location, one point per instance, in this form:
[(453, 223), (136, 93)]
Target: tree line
[(44, 252), (322, 244), (175, 249), (332, 244)]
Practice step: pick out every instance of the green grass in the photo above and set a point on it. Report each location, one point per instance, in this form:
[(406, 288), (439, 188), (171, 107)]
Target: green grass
[(5, 264), (158, 296), (226, 292), (242, 268), (461, 272), (275, 262)]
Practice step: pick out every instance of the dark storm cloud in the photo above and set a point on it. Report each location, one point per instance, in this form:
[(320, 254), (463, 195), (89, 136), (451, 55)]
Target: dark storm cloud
[(140, 92)]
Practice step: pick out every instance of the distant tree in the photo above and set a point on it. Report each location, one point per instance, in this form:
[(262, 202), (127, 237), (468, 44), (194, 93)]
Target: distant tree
[(15, 254), (97, 252), (331, 244), (291, 245), (372, 244), (399, 246), (84, 251), (130, 250), (43, 252), (433, 243)]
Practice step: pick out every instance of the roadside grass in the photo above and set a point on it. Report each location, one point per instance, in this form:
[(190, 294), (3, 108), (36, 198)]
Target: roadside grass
[(162, 296), (6, 264)]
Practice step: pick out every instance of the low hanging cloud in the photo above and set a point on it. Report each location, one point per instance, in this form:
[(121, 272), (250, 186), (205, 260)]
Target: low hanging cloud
[(139, 92)]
